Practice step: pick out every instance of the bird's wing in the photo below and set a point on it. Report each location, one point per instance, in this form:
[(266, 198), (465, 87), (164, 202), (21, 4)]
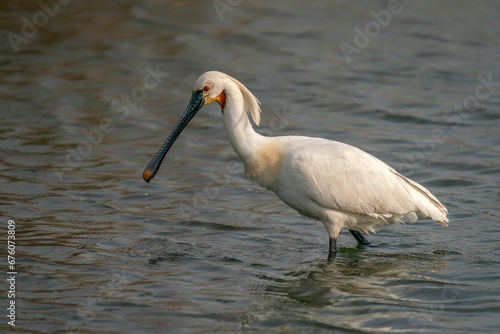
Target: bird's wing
[(344, 178)]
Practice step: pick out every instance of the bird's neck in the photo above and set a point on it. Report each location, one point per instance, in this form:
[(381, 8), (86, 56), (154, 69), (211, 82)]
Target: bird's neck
[(243, 138), (261, 155)]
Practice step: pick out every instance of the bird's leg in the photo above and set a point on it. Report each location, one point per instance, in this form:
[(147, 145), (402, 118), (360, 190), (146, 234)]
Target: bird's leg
[(332, 251), (359, 237)]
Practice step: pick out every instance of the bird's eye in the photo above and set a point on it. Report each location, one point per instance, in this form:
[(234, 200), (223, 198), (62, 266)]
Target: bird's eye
[(206, 88)]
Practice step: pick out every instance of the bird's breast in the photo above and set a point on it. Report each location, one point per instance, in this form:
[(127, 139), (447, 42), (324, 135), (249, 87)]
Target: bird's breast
[(266, 166)]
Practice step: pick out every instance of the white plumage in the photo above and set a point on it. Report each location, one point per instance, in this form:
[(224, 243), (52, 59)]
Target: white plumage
[(338, 184)]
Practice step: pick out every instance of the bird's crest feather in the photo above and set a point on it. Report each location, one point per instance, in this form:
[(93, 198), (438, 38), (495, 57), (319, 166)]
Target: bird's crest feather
[(252, 104)]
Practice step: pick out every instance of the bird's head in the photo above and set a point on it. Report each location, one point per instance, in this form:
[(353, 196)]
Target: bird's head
[(210, 86)]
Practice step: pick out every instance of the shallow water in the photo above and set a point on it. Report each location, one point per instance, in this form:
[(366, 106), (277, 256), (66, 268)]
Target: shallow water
[(202, 249)]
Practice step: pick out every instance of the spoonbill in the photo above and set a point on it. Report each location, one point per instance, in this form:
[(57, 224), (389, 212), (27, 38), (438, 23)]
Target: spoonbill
[(335, 183)]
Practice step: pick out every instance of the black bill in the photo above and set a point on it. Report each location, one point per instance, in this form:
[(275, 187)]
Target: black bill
[(193, 107)]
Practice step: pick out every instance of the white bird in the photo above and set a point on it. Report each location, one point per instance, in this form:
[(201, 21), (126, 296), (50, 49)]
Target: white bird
[(338, 184)]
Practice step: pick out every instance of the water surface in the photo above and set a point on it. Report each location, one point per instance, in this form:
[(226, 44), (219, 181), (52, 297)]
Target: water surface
[(202, 249)]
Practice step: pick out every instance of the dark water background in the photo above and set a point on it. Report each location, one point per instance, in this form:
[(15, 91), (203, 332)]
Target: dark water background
[(202, 249)]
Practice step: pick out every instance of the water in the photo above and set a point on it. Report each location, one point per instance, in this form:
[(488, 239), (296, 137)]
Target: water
[(202, 249)]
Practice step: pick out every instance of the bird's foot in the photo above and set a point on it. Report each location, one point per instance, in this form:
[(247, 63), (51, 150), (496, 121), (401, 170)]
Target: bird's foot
[(360, 238), (332, 250)]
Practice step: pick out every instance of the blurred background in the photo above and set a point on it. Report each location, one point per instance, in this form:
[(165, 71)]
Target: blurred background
[(90, 89)]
